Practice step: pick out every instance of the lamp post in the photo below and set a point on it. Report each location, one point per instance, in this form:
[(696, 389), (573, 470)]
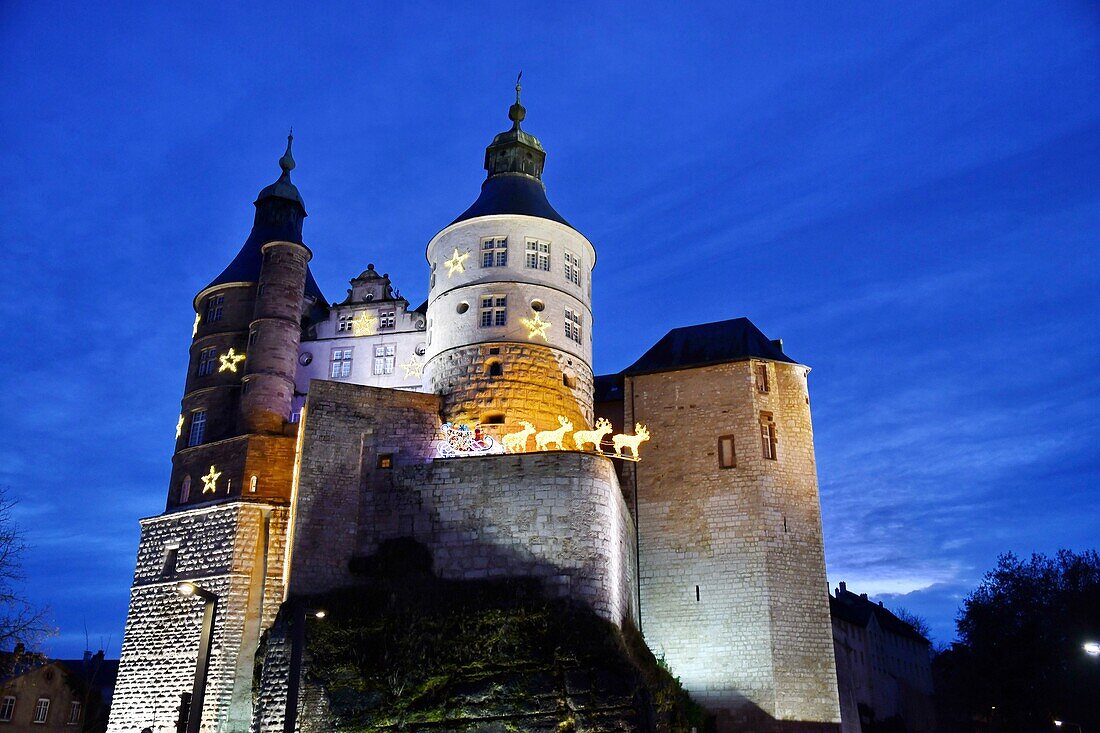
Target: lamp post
[(297, 642), (202, 665)]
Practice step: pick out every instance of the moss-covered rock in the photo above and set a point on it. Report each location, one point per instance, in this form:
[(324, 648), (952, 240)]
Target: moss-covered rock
[(408, 651)]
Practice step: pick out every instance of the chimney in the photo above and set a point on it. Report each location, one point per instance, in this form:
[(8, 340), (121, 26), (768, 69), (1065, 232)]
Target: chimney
[(87, 655), (843, 587), (880, 604), (863, 596), (99, 656)]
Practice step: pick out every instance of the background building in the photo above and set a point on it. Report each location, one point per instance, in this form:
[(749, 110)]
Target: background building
[(884, 668)]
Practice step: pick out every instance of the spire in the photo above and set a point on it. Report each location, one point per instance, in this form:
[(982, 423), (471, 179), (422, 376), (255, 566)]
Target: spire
[(283, 188), (287, 161), (515, 151)]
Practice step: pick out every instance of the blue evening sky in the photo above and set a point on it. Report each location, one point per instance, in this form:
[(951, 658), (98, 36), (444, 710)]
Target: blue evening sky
[(906, 193)]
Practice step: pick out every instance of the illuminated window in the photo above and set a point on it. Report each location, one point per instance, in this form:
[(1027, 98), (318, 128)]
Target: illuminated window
[(344, 324), (494, 252), (572, 268), (387, 319), (185, 489), (573, 325), (198, 428), (494, 311), (41, 710), (768, 437), (74, 713), (7, 708), (341, 364), (385, 355), (761, 370), (385, 460), (208, 357), (214, 308), (727, 453), (495, 418), (538, 255)]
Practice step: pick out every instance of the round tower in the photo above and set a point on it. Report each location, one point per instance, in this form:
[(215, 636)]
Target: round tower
[(509, 303)]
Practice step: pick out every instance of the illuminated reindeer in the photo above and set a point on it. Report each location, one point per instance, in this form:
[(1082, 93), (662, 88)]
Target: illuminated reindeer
[(631, 441), (517, 442), (546, 438), (595, 437)]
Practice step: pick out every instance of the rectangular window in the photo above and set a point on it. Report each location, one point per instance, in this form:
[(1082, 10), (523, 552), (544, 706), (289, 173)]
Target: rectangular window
[(171, 555), (573, 325), (344, 324), (198, 428), (41, 710), (761, 370), (252, 336), (727, 453), (341, 364), (384, 357), (214, 306), (74, 712), (207, 358), (494, 252), (387, 320), (572, 268), (538, 255), (768, 437), (385, 460), (494, 311), (7, 708)]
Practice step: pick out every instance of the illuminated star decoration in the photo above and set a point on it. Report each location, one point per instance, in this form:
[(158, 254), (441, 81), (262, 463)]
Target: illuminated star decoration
[(413, 367), (536, 326), (230, 360), (179, 427), (210, 480), (457, 263), (364, 324), (195, 328)]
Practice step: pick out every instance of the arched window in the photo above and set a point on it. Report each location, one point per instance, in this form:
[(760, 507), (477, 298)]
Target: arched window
[(185, 489), (496, 369)]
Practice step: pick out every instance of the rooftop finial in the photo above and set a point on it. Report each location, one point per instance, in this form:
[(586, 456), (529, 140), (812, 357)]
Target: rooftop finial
[(516, 112), (287, 161)]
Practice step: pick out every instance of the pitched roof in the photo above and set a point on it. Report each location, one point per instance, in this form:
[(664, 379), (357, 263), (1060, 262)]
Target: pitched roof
[(512, 193), (858, 611), (608, 388), (708, 343)]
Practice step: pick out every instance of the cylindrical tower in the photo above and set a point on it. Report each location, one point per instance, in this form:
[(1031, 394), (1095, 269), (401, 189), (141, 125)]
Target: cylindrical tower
[(509, 303)]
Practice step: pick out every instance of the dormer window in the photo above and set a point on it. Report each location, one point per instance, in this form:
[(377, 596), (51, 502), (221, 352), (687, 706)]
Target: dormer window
[(494, 252)]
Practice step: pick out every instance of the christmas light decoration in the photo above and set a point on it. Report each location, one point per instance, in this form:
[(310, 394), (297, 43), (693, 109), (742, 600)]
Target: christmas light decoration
[(413, 367), (547, 438), (210, 480), (517, 442), (632, 442), (230, 360), (364, 324), (195, 328), (179, 427), (460, 440), (536, 326), (457, 263), (595, 437)]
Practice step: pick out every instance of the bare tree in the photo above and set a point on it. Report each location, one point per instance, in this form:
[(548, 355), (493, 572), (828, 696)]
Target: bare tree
[(20, 621), (919, 624)]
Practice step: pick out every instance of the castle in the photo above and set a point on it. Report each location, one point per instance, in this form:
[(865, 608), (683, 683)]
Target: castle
[(311, 432)]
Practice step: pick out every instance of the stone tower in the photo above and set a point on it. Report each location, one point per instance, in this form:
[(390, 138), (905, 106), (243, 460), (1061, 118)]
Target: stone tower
[(732, 590), (224, 527), (509, 305)]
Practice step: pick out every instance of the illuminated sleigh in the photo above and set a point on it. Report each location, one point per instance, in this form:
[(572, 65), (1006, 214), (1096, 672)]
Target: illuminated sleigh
[(461, 440)]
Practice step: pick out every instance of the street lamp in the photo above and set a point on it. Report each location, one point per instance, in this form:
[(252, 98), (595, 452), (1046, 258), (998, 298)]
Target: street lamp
[(1092, 648), (1060, 723), (298, 613), (202, 664)]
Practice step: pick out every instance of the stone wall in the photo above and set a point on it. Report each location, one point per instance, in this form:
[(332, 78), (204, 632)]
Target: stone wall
[(557, 516), (732, 570), (233, 550)]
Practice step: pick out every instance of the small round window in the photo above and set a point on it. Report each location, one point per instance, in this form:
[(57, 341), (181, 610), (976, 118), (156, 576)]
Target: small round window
[(462, 307), (537, 305)]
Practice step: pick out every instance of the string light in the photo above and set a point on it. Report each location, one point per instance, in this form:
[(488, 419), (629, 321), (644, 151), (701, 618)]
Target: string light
[(230, 360), (413, 367), (457, 263), (364, 324), (536, 326), (210, 480)]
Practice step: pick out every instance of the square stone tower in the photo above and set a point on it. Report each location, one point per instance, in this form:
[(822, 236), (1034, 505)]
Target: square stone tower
[(733, 592)]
